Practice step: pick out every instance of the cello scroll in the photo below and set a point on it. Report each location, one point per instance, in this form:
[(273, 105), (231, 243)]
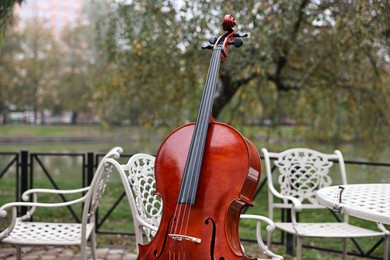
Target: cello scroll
[(231, 37), (206, 174)]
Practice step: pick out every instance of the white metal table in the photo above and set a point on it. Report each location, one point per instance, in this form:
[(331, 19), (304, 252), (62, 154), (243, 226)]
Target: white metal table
[(366, 201)]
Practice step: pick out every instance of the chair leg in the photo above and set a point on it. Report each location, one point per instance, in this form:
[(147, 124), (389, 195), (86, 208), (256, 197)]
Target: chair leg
[(269, 240), (93, 245), (385, 247), (18, 252), (345, 248), (83, 249), (299, 247)]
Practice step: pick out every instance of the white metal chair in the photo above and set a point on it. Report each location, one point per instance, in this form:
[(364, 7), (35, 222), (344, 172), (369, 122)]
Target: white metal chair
[(146, 208), (139, 183), (270, 227), (23, 232), (137, 176), (300, 172)]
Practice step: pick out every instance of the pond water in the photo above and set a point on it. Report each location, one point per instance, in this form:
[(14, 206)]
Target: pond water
[(364, 152)]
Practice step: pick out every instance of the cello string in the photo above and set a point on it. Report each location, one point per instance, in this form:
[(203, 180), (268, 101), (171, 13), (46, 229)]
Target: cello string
[(203, 128), (182, 212), (205, 114), (194, 152), (194, 143), (176, 248), (204, 117)]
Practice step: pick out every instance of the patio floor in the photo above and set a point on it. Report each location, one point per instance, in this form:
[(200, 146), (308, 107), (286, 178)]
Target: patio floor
[(8, 252), (64, 253)]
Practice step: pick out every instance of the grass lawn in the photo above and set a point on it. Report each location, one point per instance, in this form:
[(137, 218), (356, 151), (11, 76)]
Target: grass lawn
[(67, 174), (97, 130), (63, 130)]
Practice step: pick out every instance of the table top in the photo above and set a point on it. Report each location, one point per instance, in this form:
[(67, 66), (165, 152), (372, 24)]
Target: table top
[(366, 201)]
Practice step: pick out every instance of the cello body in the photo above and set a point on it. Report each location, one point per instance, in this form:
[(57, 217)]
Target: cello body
[(206, 174), (229, 177)]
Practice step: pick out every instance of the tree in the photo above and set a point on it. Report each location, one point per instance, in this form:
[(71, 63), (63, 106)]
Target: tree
[(144, 71), (75, 93), (8, 73), (30, 68), (300, 55), (40, 62), (6, 12), (6, 18), (321, 63)]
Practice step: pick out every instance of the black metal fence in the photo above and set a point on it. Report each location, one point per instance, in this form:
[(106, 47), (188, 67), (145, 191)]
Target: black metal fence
[(24, 164)]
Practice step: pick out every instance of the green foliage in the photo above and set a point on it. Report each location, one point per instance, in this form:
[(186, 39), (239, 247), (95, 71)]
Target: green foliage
[(8, 71), (6, 11), (320, 64)]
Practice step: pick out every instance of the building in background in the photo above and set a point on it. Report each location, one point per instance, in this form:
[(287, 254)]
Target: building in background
[(55, 15)]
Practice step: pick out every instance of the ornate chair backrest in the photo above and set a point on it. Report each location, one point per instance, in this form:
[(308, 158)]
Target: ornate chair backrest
[(140, 186), (302, 172), (98, 185), (143, 185)]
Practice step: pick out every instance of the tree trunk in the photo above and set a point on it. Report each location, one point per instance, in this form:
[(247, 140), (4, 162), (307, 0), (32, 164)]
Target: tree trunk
[(75, 118), (5, 114)]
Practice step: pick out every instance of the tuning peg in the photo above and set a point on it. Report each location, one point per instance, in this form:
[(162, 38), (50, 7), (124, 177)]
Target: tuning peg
[(237, 42), (213, 40), (241, 34), (207, 45)]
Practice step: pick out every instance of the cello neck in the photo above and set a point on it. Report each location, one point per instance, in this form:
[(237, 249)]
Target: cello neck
[(194, 160), (195, 155)]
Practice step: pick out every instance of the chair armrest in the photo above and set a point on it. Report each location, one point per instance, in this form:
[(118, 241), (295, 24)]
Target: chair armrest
[(296, 204), (26, 194), (382, 228), (295, 207), (147, 225), (11, 226), (270, 227), (33, 205)]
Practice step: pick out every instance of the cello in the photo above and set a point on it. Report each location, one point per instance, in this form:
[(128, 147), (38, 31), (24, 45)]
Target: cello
[(206, 174)]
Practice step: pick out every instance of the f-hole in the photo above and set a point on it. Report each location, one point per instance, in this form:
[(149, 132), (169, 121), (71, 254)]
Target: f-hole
[(155, 252), (213, 235)]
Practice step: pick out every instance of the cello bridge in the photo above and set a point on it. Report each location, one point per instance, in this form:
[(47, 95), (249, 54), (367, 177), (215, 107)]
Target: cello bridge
[(178, 237)]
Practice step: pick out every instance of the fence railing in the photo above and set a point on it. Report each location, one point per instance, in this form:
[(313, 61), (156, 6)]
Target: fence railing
[(25, 164)]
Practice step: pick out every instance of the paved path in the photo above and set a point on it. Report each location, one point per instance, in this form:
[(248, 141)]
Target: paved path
[(63, 253)]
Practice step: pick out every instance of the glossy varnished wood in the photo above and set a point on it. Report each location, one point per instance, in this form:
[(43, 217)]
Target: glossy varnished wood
[(228, 180), (206, 174)]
